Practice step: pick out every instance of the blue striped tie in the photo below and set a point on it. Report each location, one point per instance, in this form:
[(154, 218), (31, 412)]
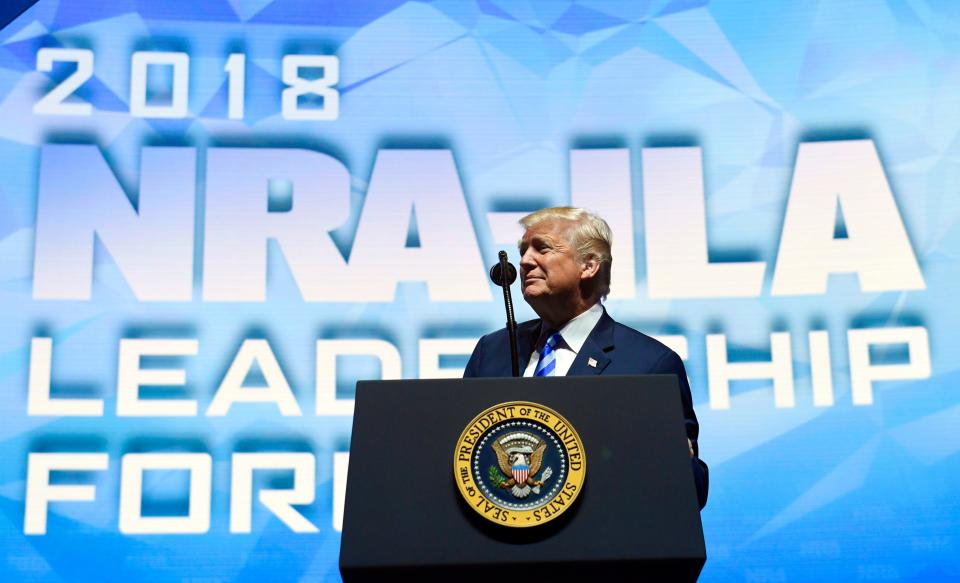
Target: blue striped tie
[(548, 358)]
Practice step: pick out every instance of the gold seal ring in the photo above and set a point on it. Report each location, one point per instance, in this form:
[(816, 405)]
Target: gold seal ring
[(519, 464)]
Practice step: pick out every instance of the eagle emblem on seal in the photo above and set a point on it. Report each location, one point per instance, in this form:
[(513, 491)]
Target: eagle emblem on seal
[(519, 460)]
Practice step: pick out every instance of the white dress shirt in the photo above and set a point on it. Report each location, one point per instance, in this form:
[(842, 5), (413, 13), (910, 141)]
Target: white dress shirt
[(574, 333)]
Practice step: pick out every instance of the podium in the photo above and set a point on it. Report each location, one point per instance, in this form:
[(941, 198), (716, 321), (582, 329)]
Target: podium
[(635, 517)]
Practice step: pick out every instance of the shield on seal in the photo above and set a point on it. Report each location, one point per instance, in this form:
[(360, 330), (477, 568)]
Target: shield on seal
[(520, 472)]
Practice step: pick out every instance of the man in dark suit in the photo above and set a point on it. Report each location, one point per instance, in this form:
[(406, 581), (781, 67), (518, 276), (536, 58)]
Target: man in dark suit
[(565, 273)]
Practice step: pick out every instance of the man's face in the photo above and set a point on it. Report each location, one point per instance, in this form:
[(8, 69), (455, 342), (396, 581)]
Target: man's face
[(548, 263)]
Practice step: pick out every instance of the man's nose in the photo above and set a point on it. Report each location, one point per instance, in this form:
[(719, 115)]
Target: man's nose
[(526, 261)]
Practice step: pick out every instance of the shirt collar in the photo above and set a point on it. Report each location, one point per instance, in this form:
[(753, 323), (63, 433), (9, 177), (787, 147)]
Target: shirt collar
[(575, 332)]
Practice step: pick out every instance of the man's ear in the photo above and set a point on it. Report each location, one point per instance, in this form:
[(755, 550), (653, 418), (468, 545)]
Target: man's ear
[(589, 267)]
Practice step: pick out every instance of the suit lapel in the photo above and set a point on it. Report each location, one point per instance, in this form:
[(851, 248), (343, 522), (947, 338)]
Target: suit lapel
[(527, 334), (593, 356)]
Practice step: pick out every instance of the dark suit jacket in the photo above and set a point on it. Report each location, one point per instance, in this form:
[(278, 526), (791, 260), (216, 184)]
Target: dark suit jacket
[(618, 350)]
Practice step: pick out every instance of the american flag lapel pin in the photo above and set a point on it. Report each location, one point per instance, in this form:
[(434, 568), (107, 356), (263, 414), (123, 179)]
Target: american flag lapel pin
[(592, 362)]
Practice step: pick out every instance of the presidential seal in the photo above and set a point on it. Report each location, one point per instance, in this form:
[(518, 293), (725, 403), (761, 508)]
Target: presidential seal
[(519, 464)]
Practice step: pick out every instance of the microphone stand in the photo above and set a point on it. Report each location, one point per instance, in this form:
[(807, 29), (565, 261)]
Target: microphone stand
[(504, 274)]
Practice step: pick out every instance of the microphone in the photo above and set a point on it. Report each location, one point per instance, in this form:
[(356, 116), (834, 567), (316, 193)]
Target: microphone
[(497, 273)]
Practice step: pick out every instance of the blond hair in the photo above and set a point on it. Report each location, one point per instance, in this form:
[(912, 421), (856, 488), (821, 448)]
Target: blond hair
[(590, 236)]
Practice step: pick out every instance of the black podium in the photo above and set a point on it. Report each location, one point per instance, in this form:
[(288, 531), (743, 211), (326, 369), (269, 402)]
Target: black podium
[(636, 517)]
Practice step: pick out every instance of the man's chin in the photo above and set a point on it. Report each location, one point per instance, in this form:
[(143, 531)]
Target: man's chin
[(532, 293)]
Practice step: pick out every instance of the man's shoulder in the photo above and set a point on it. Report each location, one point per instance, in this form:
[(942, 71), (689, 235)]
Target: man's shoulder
[(498, 336), (634, 352), (626, 336)]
